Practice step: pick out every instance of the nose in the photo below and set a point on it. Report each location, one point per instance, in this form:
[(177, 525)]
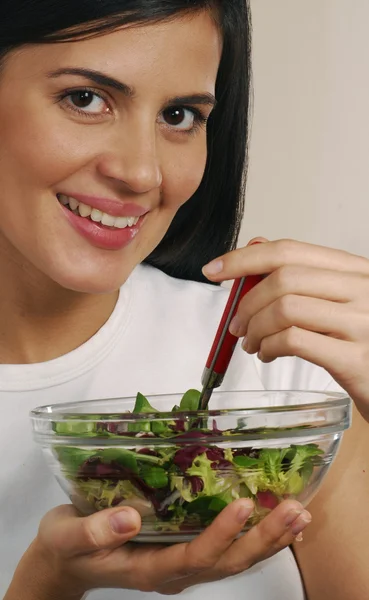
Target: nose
[(132, 159)]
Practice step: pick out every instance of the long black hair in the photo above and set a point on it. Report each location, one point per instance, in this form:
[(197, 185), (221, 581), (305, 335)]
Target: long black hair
[(208, 224)]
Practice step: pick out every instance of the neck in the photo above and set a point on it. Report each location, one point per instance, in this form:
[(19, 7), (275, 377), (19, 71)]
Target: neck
[(39, 320)]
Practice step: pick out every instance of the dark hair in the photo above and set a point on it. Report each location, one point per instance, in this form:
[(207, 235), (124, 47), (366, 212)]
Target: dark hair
[(208, 224)]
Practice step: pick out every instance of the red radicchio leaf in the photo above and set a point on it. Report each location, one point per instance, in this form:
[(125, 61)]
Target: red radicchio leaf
[(197, 484), (147, 451), (215, 453), (184, 457), (267, 500)]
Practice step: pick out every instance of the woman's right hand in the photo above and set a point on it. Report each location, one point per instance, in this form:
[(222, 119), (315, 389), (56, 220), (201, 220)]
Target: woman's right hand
[(72, 554)]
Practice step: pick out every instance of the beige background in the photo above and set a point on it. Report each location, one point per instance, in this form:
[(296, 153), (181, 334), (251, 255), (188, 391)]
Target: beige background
[(309, 175)]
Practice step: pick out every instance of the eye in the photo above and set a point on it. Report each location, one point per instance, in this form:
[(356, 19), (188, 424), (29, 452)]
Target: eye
[(86, 102), (180, 118)]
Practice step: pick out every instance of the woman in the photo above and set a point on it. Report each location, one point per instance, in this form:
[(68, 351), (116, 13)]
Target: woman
[(123, 128)]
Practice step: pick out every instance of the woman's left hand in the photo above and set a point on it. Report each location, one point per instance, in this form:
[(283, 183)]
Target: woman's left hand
[(313, 303)]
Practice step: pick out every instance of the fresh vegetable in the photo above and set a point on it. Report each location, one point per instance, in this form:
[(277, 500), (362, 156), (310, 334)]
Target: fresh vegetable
[(183, 480)]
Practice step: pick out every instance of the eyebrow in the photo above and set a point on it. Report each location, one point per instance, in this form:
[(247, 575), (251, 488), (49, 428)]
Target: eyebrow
[(205, 98), (100, 79), (96, 77)]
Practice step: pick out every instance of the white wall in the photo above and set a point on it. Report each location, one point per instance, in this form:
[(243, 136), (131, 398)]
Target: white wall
[(309, 154)]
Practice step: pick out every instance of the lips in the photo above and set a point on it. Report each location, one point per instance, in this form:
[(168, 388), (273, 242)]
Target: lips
[(96, 215), (120, 233), (115, 208)]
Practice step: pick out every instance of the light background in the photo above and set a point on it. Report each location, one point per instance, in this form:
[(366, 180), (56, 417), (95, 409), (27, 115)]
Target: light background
[(309, 159)]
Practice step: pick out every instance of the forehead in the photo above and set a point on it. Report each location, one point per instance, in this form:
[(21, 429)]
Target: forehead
[(178, 52)]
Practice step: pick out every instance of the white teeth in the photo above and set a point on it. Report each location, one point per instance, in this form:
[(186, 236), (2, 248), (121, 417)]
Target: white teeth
[(84, 210), (108, 220), (73, 204), (96, 215), (121, 222)]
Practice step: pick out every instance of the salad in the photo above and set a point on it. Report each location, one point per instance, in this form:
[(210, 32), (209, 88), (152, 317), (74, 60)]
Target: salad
[(172, 471)]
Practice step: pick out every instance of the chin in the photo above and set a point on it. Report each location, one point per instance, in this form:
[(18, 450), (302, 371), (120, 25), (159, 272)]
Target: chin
[(85, 271), (92, 281)]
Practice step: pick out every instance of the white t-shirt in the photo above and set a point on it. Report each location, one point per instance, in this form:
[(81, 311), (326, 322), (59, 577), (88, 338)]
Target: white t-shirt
[(156, 341)]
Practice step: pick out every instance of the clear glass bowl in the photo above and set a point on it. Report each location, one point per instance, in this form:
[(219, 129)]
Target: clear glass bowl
[(180, 469)]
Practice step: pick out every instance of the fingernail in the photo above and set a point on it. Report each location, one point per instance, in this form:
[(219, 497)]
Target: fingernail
[(257, 240), (245, 343), (301, 522), (235, 327), (245, 511), (121, 522), (292, 515), (213, 268)]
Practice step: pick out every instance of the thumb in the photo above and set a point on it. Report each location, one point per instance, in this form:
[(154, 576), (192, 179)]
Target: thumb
[(63, 530)]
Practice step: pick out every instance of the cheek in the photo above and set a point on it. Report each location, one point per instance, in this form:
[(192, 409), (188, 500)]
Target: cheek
[(40, 146), (41, 160), (183, 172)]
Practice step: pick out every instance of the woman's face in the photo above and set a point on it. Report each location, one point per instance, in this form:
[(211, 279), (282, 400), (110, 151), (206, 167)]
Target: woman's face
[(102, 141)]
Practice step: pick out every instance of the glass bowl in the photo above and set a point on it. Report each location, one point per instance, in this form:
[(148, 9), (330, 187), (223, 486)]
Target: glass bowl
[(179, 468)]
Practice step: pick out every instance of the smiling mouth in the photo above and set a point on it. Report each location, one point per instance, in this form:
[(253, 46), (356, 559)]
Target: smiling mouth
[(93, 214)]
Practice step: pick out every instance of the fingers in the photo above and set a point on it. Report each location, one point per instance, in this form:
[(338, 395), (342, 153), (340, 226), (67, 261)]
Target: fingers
[(63, 530), (347, 362), (257, 240), (203, 552), (275, 532), (317, 289), (300, 281), (321, 316), (267, 257), (212, 555), (329, 353), (220, 535)]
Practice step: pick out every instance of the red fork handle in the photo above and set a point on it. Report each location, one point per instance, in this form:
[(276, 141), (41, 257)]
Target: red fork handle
[(225, 343)]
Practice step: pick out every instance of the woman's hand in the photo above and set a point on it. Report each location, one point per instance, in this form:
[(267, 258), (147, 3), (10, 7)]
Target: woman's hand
[(314, 304), (74, 554)]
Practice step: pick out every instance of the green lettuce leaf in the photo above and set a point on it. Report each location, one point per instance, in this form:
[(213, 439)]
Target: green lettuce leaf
[(77, 425), (124, 457), (206, 507), (155, 477), (104, 493), (142, 405), (72, 458), (279, 470), (214, 482), (190, 401), (180, 483)]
